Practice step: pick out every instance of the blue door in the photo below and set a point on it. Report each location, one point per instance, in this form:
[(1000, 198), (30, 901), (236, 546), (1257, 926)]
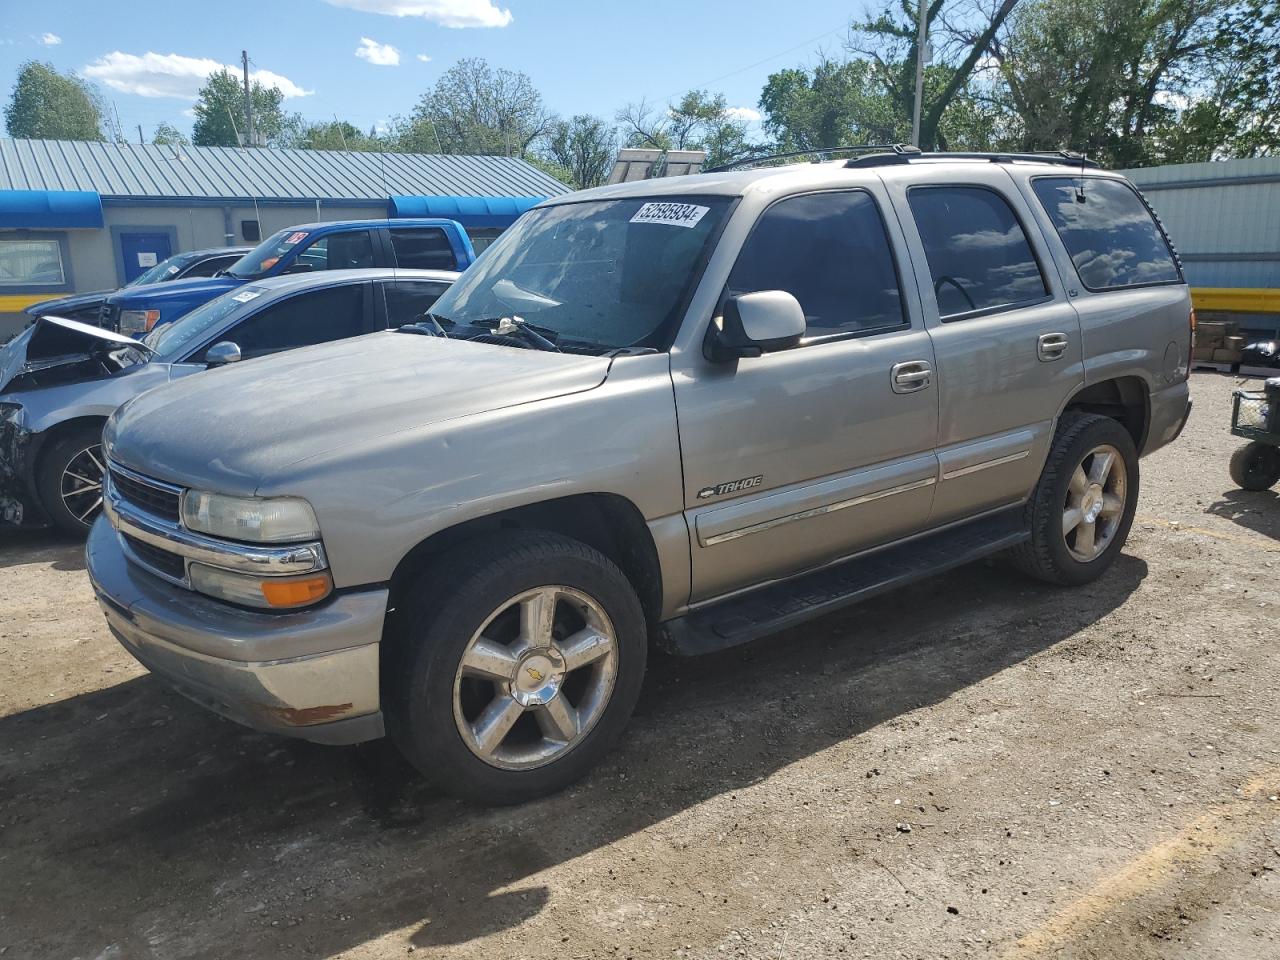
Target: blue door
[(142, 250)]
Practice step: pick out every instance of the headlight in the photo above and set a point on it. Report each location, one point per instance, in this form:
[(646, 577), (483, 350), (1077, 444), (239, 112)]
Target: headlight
[(256, 520), (277, 593), (137, 321)]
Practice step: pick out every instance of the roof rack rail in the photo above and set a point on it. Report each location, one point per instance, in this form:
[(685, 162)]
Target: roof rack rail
[(817, 151), (907, 154)]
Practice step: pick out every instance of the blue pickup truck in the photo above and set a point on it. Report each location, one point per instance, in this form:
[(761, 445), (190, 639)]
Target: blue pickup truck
[(423, 244)]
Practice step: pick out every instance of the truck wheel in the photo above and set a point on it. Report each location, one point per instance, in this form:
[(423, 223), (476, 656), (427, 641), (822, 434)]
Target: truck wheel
[(513, 666), (1081, 510), (1255, 466), (69, 480)]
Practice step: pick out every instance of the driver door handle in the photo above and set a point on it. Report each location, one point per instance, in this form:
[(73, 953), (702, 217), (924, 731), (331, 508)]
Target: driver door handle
[(1052, 346), (910, 376)]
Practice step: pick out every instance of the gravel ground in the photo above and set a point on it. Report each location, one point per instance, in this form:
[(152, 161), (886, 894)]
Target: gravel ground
[(978, 765)]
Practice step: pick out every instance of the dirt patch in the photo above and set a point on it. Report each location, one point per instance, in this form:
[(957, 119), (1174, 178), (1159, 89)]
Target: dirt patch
[(978, 765)]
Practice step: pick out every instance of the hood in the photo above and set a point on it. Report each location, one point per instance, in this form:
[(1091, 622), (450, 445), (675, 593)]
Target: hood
[(237, 426), (56, 350), (67, 303), (157, 294)]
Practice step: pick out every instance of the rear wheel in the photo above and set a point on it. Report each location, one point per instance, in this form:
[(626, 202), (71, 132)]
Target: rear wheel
[(1081, 510), (515, 666), (70, 477), (1255, 466)]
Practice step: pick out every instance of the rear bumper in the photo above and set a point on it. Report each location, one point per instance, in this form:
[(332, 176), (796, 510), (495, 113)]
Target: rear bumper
[(312, 674), (1170, 410)]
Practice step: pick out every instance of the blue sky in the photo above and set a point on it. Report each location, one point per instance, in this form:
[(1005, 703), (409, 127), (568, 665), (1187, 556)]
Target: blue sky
[(149, 57)]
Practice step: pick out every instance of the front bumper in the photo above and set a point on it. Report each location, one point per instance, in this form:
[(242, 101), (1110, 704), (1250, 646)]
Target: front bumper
[(311, 674), (19, 504)]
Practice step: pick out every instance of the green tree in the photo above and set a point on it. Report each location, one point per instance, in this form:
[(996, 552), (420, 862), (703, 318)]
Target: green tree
[(476, 109), (833, 105), (46, 104), (219, 111), (1109, 76), (167, 133), (697, 121), (327, 135), (585, 147), (1246, 101), (958, 45)]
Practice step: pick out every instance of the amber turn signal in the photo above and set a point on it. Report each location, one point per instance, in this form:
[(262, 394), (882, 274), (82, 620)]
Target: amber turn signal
[(297, 592)]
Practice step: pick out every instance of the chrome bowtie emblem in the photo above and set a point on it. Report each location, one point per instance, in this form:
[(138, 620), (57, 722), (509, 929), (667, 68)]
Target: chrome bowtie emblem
[(537, 675)]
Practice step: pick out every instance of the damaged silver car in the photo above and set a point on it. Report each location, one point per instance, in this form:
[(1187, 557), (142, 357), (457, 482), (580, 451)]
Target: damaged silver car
[(60, 379)]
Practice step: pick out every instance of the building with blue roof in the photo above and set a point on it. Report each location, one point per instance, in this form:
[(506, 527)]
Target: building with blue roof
[(79, 216)]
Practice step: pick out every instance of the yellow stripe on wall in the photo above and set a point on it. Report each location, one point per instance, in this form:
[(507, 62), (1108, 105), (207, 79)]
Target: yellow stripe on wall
[(1238, 299), (15, 302)]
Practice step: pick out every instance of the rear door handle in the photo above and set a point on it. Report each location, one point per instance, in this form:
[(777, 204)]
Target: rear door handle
[(1052, 346), (910, 376)]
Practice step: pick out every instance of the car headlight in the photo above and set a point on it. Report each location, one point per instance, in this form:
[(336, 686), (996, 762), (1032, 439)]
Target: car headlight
[(137, 321), (253, 519)]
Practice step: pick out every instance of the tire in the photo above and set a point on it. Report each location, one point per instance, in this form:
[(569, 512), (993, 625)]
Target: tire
[(565, 718), (1255, 466), (1055, 554), (69, 479)]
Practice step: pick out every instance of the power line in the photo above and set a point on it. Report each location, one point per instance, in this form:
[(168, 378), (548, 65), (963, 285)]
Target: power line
[(752, 66)]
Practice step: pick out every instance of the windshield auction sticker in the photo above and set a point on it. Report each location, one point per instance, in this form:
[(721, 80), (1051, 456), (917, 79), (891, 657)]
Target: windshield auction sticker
[(672, 214), (244, 296), (295, 238)]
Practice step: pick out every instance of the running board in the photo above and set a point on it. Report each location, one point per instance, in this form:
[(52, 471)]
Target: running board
[(784, 604)]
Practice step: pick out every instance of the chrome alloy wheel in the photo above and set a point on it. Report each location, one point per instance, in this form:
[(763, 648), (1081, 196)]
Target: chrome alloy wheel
[(81, 484), (535, 678), (1095, 502)]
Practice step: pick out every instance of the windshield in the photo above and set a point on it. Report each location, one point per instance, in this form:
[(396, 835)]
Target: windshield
[(600, 274), (164, 270), (258, 261), (172, 340)]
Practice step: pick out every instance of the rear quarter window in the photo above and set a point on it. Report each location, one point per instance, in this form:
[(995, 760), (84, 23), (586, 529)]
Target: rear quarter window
[(1111, 236)]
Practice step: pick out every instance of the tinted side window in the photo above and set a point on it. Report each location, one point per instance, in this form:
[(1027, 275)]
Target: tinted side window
[(978, 254), (308, 318), (831, 252), (407, 300), (207, 268), (1112, 239), (423, 249), (338, 251)]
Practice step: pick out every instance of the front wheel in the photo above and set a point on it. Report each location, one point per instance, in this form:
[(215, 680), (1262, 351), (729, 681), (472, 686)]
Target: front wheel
[(1255, 466), (514, 666), (70, 477), (1081, 510)]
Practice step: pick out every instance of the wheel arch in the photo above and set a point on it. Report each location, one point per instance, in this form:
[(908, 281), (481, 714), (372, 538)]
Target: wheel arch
[(1126, 399), (606, 522)]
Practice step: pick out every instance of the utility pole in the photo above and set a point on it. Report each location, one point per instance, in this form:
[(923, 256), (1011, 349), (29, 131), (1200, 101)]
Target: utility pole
[(248, 101), (140, 140), (921, 46)]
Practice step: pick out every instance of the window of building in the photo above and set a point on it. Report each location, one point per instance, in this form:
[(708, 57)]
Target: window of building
[(831, 252), (251, 230), (979, 255), (31, 263), (1110, 234)]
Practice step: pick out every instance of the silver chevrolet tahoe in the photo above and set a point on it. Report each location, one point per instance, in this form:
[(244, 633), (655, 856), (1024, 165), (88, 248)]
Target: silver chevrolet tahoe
[(687, 412)]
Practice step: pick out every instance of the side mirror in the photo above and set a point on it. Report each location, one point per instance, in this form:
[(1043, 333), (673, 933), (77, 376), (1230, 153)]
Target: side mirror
[(756, 323), (299, 266), (222, 353)]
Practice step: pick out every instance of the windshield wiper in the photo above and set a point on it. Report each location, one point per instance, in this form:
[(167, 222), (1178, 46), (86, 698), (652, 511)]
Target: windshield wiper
[(517, 325), (427, 325)]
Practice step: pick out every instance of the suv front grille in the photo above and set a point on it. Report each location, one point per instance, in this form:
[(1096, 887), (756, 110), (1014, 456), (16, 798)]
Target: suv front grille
[(160, 501), (161, 561)]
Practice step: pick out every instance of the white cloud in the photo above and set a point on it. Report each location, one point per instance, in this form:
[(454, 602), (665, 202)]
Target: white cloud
[(50, 39), (424, 58), (447, 13), (173, 75), (748, 114), (379, 54)]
